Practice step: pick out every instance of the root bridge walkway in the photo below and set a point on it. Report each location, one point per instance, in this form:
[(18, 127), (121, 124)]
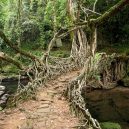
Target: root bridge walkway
[(50, 110)]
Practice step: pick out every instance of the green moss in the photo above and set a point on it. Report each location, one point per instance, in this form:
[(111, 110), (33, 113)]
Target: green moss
[(110, 125)]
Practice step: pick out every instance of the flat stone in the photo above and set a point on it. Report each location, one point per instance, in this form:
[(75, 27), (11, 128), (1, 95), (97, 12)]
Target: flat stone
[(2, 88), (44, 106)]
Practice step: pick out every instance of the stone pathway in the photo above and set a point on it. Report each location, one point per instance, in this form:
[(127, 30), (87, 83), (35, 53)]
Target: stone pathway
[(49, 111)]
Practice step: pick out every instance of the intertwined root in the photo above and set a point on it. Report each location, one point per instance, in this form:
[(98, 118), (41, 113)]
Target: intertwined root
[(54, 66), (78, 105), (97, 73), (86, 79)]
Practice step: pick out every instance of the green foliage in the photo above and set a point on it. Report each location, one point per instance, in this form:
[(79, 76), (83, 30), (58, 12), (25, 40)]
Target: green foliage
[(9, 70), (29, 31), (42, 13), (88, 3), (57, 8), (26, 8), (2, 13), (116, 29), (110, 125)]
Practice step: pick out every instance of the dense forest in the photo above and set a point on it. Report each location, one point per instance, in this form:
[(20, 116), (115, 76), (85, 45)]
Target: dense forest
[(64, 58)]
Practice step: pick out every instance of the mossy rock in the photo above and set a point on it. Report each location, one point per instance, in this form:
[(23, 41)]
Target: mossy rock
[(126, 81), (110, 125)]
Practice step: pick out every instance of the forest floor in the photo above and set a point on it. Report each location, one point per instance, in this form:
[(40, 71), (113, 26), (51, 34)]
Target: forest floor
[(50, 110)]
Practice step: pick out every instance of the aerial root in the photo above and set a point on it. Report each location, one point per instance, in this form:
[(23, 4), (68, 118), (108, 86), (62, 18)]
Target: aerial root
[(78, 104)]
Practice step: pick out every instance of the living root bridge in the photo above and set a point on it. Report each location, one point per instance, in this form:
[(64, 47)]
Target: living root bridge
[(97, 70)]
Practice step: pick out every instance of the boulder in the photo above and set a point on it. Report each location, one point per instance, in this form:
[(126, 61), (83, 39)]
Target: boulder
[(2, 88), (4, 97), (58, 43), (1, 93), (3, 100), (126, 81)]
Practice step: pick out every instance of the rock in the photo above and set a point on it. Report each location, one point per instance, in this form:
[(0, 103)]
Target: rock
[(2, 88), (111, 85), (2, 103), (1, 93), (4, 97), (106, 105), (126, 81), (58, 43), (3, 100)]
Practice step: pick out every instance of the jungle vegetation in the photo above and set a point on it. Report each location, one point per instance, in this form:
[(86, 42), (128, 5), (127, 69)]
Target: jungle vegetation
[(45, 38)]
